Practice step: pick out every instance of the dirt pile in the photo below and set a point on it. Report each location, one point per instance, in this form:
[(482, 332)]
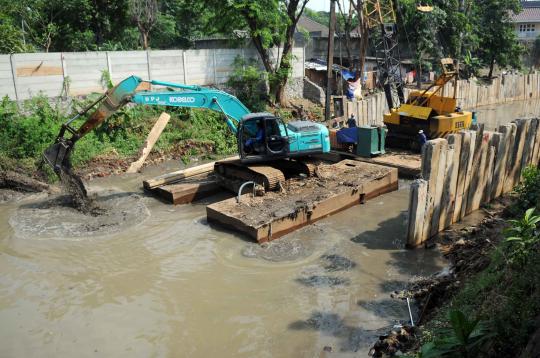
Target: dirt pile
[(400, 339), (20, 182)]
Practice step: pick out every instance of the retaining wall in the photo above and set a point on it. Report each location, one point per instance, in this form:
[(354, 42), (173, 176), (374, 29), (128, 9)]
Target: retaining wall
[(25, 75), (466, 170)]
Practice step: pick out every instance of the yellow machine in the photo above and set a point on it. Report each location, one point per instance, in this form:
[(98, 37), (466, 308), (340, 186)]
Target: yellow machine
[(428, 110)]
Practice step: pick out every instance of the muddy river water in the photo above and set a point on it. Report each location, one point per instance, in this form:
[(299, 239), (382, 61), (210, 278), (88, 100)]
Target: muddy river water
[(155, 280)]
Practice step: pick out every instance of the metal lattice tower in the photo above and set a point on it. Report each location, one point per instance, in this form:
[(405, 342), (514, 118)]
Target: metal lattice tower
[(381, 19)]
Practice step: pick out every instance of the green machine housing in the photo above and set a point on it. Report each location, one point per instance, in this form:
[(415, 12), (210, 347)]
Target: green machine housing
[(371, 141)]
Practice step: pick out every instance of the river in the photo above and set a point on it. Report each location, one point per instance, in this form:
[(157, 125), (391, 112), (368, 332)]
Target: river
[(155, 280)]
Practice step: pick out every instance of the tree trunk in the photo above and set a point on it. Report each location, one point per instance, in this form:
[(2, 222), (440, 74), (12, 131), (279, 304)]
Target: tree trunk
[(284, 69), (491, 66), (419, 73), (144, 40)]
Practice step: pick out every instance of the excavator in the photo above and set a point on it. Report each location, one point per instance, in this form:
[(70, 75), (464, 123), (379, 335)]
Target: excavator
[(429, 110), (269, 149)]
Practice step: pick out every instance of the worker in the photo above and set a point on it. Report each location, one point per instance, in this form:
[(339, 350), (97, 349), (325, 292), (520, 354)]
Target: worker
[(351, 122), (422, 139), (253, 143)]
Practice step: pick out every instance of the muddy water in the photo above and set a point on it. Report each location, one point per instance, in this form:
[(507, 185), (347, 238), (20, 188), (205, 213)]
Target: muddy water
[(168, 284), (157, 280), (495, 115)]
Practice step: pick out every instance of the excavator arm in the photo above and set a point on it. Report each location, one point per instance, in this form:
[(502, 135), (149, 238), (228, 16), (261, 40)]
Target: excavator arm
[(129, 90)]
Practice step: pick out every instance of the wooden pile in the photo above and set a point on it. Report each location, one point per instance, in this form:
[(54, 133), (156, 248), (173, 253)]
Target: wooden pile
[(466, 170)]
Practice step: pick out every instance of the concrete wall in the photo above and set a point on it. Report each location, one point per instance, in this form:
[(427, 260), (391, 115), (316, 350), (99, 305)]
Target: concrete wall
[(467, 170), (25, 75)]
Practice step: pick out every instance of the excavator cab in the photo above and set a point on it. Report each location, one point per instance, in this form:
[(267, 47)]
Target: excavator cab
[(262, 136)]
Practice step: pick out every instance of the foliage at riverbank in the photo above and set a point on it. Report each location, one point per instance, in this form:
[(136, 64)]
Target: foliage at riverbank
[(499, 307), (26, 130)]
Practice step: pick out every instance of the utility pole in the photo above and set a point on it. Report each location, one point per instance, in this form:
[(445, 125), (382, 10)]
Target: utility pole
[(330, 58)]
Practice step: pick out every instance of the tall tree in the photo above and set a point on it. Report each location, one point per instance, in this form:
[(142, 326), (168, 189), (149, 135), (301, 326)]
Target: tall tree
[(144, 14), (498, 42)]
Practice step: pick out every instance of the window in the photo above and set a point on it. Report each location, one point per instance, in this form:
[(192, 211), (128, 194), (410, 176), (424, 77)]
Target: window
[(527, 27)]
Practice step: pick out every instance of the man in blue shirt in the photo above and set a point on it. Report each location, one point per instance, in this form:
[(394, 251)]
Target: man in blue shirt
[(422, 139), (351, 122), (252, 143)]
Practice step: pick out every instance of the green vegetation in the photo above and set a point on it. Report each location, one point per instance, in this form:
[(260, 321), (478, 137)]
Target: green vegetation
[(506, 295), (26, 131), (465, 338), (248, 84)]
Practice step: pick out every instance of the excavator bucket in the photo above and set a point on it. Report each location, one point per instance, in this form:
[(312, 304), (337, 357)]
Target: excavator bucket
[(57, 155)]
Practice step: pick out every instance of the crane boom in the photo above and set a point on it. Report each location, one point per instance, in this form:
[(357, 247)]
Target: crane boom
[(381, 18)]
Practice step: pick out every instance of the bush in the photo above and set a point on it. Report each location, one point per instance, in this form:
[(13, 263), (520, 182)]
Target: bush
[(528, 191), (26, 131), (248, 84)]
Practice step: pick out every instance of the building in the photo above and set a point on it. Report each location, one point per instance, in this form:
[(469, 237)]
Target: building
[(527, 22)]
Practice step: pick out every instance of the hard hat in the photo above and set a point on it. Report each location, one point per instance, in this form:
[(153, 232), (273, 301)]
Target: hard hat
[(420, 131)]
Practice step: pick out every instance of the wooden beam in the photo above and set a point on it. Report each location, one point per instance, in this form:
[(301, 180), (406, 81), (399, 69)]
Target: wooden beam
[(176, 176), (152, 138)]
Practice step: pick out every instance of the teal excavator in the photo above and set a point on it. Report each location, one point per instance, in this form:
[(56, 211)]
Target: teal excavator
[(269, 149)]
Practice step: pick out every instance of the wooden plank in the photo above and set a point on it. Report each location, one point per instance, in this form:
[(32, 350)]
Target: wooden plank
[(39, 71), (462, 172), (185, 193), (417, 212), (529, 144), (431, 155), (488, 177), (176, 176), (450, 193), (152, 138), (446, 189), (508, 179), (476, 186), (468, 174), (519, 145)]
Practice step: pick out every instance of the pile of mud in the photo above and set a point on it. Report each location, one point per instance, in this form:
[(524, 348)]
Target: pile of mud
[(58, 218)]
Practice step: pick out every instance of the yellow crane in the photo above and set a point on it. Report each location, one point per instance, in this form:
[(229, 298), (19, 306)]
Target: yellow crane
[(429, 110)]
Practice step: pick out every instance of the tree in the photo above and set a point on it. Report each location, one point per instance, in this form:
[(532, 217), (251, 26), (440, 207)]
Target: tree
[(536, 52), (269, 23), (144, 14), (498, 43), (424, 29)]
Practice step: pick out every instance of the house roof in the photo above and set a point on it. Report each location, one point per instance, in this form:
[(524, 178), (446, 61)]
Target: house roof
[(530, 13), (312, 26)]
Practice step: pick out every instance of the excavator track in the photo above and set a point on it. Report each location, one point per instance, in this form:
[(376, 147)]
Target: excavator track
[(264, 175), (270, 175)]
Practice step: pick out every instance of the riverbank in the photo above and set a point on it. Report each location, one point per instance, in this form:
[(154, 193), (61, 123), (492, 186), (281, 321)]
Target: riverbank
[(487, 304)]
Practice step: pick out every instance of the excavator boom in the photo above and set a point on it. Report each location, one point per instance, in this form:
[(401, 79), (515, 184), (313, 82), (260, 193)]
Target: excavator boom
[(129, 90)]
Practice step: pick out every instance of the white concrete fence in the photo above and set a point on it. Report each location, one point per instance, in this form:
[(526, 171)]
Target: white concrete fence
[(466, 170), (25, 75)]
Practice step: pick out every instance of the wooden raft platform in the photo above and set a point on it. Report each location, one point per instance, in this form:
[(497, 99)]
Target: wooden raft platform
[(408, 164), (336, 187), (185, 192), (186, 185)]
